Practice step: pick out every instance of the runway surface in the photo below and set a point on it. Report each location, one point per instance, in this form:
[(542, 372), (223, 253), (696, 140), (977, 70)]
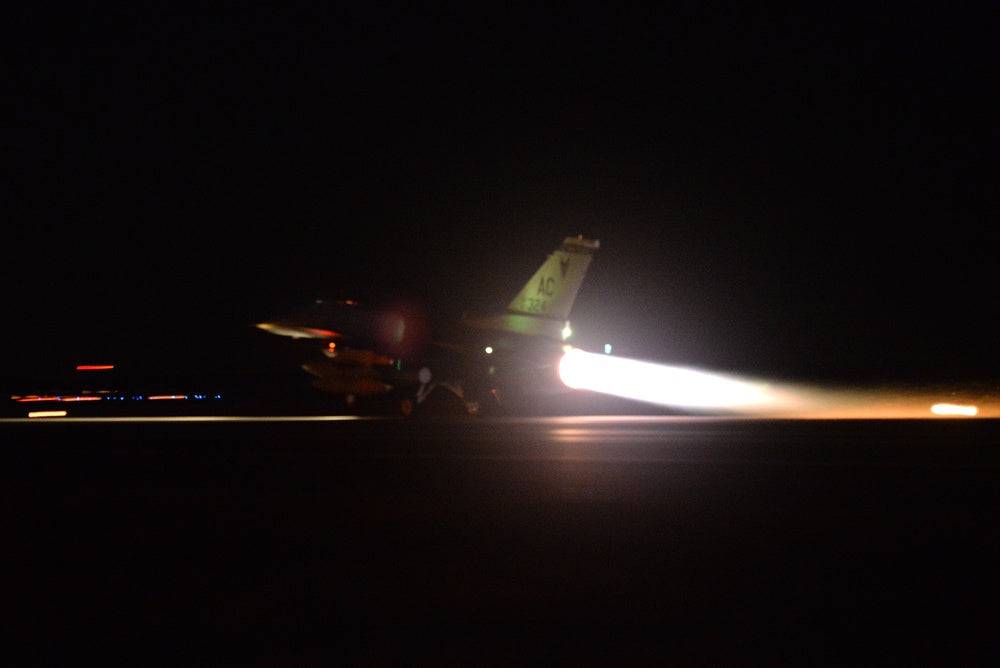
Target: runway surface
[(479, 541)]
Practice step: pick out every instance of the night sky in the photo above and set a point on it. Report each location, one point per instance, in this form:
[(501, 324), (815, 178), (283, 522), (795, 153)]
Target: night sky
[(807, 195)]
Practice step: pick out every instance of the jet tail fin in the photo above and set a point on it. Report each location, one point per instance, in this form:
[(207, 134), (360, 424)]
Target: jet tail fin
[(550, 293), (542, 306)]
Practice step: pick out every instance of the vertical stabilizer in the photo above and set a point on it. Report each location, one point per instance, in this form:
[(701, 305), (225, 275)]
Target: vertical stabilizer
[(552, 290)]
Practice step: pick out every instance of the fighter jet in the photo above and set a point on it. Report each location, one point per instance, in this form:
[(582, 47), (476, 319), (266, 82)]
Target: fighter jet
[(387, 355)]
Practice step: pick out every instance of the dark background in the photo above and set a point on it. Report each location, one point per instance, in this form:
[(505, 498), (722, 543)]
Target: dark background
[(799, 194)]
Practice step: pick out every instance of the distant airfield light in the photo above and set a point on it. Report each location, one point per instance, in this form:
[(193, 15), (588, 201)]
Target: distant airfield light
[(607, 348), (567, 331), (659, 383), (954, 409), (94, 367), (489, 350), (165, 397), (46, 414)]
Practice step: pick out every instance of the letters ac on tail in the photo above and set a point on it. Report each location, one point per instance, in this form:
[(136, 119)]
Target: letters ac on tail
[(543, 305), (552, 290), (389, 352)]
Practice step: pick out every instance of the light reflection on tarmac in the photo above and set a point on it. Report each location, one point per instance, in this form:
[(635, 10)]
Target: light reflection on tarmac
[(666, 539), (779, 400), (794, 403), (194, 418)]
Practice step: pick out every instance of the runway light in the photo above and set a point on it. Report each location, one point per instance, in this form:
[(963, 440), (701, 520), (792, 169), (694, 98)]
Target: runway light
[(567, 331), (954, 409), (489, 350), (607, 348), (45, 414)]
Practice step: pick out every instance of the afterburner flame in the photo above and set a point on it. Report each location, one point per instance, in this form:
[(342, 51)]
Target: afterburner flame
[(687, 388), (662, 384)]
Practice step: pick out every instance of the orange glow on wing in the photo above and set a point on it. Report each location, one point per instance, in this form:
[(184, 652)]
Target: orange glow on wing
[(297, 332), (324, 333)]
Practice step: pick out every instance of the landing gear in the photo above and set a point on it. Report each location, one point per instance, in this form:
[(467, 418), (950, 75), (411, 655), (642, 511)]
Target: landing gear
[(436, 397)]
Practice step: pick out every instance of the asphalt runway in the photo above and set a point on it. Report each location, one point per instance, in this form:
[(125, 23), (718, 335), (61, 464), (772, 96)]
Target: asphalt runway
[(481, 541)]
